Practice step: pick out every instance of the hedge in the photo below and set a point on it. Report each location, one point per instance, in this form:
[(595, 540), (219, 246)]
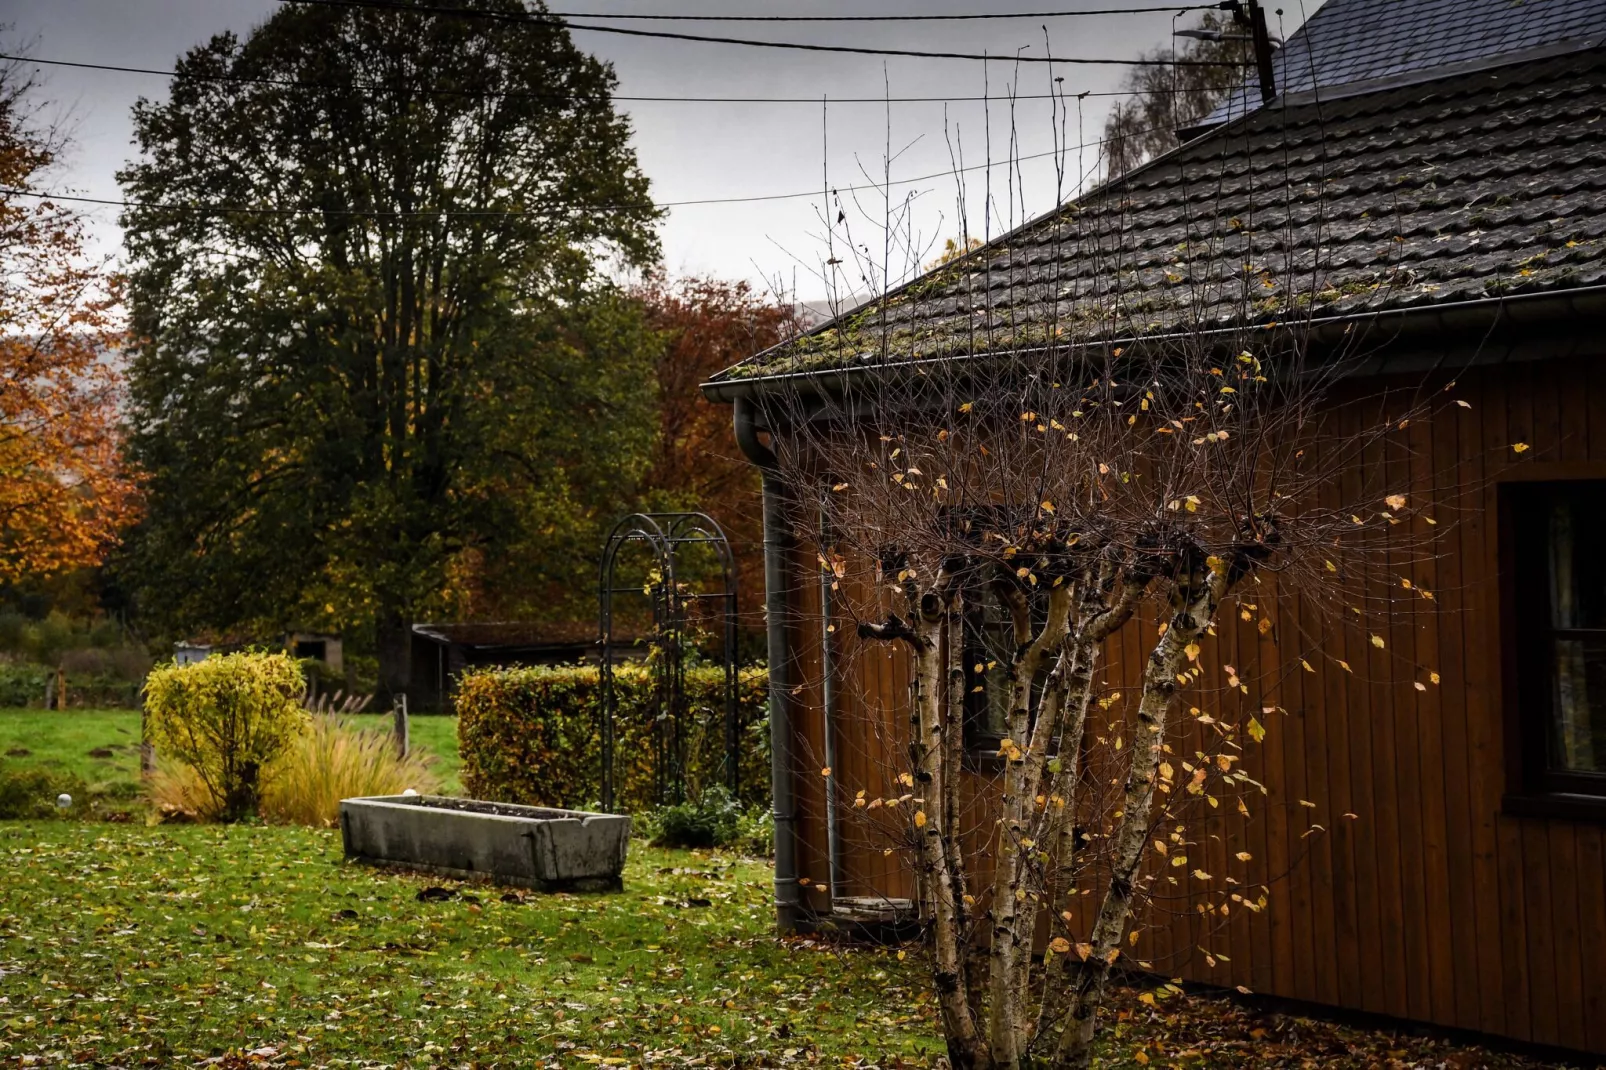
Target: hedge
[(23, 684), (533, 735)]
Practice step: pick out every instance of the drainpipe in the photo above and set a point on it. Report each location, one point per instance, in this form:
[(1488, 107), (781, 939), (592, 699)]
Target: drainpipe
[(833, 837), (778, 547)]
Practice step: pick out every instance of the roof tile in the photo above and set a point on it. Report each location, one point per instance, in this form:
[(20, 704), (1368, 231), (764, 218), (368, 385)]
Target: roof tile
[(1469, 186)]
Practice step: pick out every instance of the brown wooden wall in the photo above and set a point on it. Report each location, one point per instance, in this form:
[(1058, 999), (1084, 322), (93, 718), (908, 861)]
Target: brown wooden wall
[(1434, 902)]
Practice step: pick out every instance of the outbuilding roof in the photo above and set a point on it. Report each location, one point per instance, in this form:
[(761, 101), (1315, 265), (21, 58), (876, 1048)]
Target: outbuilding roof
[(1482, 184), (1349, 45)]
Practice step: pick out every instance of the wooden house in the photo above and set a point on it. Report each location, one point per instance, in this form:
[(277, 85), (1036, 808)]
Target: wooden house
[(1457, 154)]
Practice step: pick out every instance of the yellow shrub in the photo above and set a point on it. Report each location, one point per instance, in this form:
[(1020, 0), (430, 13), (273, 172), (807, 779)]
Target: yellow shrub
[(226, 718), (338, 760)]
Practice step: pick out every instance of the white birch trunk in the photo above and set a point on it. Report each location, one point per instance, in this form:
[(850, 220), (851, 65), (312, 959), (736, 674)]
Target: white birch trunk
[(1193, 615)]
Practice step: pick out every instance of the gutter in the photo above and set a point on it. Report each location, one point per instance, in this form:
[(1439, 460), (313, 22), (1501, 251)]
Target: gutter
[(1450, 318), (779, 545)]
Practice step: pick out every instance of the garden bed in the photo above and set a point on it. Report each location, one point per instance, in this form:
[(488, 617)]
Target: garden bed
[(526, 846)]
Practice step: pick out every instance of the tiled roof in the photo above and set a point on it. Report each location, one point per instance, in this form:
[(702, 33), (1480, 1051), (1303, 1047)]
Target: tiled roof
[(1484, 184), (1357, 41)]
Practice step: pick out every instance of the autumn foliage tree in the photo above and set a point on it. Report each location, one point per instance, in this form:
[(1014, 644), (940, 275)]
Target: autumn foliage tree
[(705, 325), (64, 492)]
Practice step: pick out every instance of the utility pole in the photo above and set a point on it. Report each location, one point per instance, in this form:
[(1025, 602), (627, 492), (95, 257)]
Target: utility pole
[(1262, 42)]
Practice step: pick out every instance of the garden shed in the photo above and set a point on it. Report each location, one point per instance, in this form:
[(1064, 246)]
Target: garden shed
[(441, 651), (1437, 171)]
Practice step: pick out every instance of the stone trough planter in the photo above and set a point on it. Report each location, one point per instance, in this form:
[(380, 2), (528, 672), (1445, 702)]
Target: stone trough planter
[(527, 846)]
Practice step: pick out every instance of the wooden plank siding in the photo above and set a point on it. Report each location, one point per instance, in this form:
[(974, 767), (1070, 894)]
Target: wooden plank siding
[(1432, 902)]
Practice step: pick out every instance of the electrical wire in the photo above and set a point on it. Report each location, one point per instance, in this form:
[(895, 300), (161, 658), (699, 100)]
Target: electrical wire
[(965, 17), (550, 22), (292, 83), (639, 207)]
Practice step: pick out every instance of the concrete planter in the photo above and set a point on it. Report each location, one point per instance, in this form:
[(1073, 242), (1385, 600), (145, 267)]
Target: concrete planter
[(527, 846)]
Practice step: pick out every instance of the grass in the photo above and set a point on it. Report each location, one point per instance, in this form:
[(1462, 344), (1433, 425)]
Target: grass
[(127, 945), (102, 746), (437, 734)]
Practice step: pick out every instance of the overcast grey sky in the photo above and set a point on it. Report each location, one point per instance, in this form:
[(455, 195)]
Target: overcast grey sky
[(698, 151)]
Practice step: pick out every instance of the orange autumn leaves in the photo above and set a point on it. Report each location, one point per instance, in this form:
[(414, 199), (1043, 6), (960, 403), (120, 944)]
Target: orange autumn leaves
[(64, 492)]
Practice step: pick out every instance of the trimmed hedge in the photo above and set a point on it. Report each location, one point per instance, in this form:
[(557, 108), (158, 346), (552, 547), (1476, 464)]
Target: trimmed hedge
[(533, 735)]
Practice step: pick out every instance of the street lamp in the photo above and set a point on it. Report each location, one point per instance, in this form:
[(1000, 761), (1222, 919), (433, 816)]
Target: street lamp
[(1217, 35)]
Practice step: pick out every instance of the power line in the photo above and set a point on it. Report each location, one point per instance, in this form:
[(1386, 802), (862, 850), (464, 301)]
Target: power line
[(895, 18), (550, 22), (292, 83), (638, 207)]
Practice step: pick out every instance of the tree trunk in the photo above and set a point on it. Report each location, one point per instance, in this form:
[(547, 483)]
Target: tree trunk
[(395, 643), (240, 802), (1010, 1024), (1195, 606), (940, 903)]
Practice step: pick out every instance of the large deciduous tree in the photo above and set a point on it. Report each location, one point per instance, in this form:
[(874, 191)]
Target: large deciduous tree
[(374, 331), (1166, 98), (64, 492)]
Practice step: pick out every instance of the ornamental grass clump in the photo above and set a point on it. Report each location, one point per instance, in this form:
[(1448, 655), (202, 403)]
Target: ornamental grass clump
[(226, 718), (338, 759)]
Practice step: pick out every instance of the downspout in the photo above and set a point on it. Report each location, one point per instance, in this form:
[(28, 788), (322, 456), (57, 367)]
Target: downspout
[(833, 836), (778, 547)]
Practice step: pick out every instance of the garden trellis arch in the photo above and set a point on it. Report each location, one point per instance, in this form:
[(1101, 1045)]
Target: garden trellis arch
[(666, 536)]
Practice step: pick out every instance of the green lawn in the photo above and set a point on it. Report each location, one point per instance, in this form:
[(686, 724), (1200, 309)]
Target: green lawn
[(437, 734), (102, 746), (133, 946), (185, 945)]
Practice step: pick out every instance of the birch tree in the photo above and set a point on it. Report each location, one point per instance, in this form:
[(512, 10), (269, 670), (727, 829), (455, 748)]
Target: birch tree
[(1150, 490)]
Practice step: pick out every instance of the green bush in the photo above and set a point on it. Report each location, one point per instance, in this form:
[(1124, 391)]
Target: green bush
[(533, 735), (226, 718), (715, 819), (32, 792), (22, 685)]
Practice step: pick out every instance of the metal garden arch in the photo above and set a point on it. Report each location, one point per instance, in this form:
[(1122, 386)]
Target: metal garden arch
[(665, 535)]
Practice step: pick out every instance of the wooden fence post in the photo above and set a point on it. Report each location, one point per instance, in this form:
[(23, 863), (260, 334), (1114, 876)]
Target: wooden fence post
[(398, 710), (147, 749)]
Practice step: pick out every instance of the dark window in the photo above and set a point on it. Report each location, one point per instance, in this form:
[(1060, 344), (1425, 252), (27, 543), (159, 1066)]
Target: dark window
[(989, 651), (316, 649), (1558, 584), (989, 647)]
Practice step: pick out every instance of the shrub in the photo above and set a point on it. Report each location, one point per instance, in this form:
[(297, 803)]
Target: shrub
[(337, 760), (716, 819), (710, 821), (22, 685), (32, 792), (226, 718), (533, 735)]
